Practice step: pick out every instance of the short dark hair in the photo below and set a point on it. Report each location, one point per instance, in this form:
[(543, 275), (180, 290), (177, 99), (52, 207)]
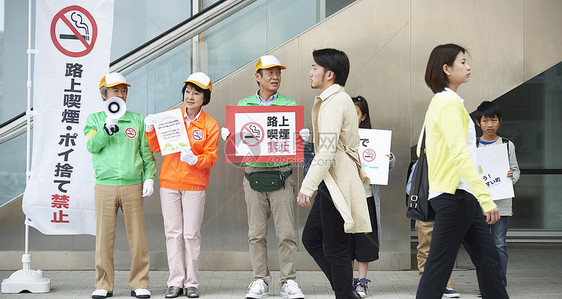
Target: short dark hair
[(206, 92), (435, 77), (487, 109), (335, 61), (361, 102)]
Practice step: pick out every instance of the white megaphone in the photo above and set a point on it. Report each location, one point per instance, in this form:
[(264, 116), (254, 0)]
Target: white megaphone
[(115, 107)]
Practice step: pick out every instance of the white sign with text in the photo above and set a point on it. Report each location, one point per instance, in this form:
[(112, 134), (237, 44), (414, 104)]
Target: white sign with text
[(493, 164), (171, 132), (374, 145)]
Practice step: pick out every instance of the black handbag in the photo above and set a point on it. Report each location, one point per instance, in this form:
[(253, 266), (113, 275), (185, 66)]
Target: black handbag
[(418, 198)]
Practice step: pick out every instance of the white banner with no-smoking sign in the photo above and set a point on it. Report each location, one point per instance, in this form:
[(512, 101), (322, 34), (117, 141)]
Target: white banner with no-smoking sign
[(73, 43)]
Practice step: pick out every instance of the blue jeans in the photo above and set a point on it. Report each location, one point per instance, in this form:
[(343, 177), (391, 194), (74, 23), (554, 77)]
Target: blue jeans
[(499, 231)]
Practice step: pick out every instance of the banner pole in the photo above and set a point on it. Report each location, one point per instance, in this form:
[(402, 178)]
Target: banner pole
[(28, 130), (27, 279)]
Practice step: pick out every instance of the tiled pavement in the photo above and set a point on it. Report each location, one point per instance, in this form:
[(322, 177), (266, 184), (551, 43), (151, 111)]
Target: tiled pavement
[(534, 272)]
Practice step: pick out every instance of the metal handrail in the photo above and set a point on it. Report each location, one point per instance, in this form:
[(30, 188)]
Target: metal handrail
[(149, 50), (177, 35), (13, 127)]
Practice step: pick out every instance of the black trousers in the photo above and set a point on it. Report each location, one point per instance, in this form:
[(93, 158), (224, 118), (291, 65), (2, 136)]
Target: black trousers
[(325, 240), (459, 220)]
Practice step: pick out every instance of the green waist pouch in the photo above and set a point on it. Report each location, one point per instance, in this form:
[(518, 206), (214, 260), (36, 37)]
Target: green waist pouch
[(267, 181)]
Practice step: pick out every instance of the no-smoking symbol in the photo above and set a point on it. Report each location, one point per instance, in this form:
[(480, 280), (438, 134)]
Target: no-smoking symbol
[(131, 133), (197, 135), (369, 155), (252, 134), (74, 31)]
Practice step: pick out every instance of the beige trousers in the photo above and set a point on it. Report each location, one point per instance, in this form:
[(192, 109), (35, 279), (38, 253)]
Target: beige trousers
[(424, 230), (108, 200), (260, 206), (183, 215)]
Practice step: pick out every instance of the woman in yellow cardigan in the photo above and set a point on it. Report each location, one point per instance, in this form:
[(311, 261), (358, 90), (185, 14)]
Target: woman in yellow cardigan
[(456, 191)]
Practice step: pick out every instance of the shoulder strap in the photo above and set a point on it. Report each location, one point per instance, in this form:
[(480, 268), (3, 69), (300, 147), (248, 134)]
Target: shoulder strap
[(422, 148), (506, 141)]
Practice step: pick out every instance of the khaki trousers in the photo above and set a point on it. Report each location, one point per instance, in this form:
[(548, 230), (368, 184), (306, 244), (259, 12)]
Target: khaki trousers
[(424, 230), (108, 200), (260, 206)]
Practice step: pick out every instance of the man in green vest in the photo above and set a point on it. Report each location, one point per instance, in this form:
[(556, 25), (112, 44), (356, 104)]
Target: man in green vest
[(279, 203)]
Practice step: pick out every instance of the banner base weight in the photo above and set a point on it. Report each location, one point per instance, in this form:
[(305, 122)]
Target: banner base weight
[(26, 280)]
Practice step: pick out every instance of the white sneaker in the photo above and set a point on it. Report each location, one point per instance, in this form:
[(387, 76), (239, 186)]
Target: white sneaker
[(101, 293), (290, 289), (258, 289), (140, 293), (451, 293)]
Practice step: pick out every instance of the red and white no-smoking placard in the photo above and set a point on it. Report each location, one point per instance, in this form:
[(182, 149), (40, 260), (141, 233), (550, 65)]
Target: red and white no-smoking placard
[(74, 31), (264, 134), (374, 145)]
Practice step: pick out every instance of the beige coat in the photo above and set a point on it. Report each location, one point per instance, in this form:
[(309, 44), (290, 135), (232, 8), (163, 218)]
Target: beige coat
[(334, 118)]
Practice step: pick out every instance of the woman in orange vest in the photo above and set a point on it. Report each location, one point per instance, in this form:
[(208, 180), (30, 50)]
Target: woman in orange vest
[(183, 179)]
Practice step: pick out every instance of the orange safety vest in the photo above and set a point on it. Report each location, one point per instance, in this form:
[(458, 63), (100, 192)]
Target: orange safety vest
[(203, 134)]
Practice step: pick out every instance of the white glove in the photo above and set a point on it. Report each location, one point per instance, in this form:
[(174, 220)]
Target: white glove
[(147, 187), (305, 133), (225, 132), (110, 122), (149, 122), (188, 157)]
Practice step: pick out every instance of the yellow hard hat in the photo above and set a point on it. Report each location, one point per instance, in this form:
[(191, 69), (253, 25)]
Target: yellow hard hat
[(113, 79), (200, 79), (268, 61)]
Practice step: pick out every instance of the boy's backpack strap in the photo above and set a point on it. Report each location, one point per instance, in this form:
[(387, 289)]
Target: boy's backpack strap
[(506, 141)]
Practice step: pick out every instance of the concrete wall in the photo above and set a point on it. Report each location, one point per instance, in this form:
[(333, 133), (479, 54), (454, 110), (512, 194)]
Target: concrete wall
[(388, 43)]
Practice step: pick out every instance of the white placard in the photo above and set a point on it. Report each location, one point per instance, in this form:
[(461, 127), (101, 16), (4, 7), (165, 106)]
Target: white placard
[(257, 133), (493, 164), (374, 145), (171, 132), (264, 134)]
